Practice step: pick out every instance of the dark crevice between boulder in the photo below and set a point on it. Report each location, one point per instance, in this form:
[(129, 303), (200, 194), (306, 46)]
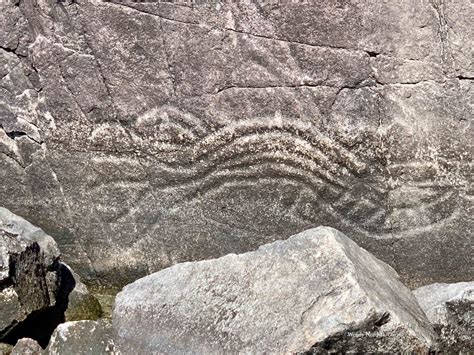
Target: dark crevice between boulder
[(38, 325), (49, 301)]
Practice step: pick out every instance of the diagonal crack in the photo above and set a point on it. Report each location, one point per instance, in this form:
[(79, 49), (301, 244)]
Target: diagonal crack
[(143, 11)]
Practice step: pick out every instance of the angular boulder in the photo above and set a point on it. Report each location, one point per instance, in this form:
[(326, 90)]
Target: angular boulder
[(450, 308), (317, 291), (28, 258), (36, 288), (81, 338)]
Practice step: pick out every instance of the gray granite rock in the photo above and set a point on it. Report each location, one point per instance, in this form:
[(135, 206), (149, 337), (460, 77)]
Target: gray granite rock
[(317, 291), (37, 291), (226, 125), (27, 346), (450, 308), (82, 338), (18, 234), (28, 258)]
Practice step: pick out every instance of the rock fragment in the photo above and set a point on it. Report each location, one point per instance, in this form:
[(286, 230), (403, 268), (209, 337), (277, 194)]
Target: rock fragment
[(28, 258), (450, 308), (317, 291), (37, 291)]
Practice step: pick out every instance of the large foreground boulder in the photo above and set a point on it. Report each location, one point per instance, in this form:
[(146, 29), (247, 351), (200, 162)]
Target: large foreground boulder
[(450, 308), (317, 291), (37, 291)]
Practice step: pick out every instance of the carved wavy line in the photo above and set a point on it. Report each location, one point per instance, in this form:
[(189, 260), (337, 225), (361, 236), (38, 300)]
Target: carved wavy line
[(261, 161), (224, 137), (262, 172), (302, 130)]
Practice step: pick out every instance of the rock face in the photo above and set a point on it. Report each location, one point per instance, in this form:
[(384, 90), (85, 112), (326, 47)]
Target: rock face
[(140, 151), (318, 291), (36, 289), (450, 308), (82, 338)]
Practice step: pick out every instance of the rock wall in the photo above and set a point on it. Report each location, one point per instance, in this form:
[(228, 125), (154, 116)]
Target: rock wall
[(140, 135)]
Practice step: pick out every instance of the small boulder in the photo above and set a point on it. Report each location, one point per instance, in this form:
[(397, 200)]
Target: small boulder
[(82, 338), (450, 308), (27, 346), (317, 291)]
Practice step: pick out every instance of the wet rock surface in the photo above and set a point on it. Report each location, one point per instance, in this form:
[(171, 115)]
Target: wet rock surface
[(317, 291), (36, 288), (450, 308), (224, 126)]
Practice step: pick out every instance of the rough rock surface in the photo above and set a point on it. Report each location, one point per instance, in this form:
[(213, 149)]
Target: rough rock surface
[(140, 135), (27, 346), (28, 283), (317, 291), (81, 338), (450, 308), (36, 289)]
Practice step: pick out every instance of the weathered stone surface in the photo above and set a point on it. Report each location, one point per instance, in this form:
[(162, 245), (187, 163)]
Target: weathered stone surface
[(223, 126), (318, 291), (450, 308), (37, 291), (27, 346), (81, 338), (22, 234)]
